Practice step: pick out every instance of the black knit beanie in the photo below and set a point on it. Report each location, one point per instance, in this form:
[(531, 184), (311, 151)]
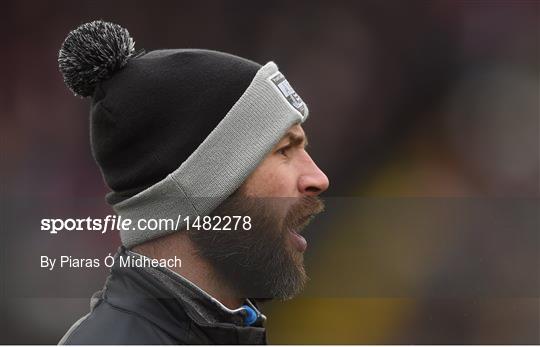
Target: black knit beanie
[(176, 131)]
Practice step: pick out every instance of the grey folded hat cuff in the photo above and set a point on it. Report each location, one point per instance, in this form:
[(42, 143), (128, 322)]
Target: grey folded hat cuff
[(222, 162)]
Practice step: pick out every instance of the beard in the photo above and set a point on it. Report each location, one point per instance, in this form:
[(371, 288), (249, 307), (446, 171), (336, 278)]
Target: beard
[(262, 262)]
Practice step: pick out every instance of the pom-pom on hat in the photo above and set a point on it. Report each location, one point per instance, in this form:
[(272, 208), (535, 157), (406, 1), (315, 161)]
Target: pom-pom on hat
[(92, 53), (174, 131)]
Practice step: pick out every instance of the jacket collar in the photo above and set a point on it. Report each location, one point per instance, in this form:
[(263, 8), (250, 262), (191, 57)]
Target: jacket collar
[(166, 298), (209, 309)]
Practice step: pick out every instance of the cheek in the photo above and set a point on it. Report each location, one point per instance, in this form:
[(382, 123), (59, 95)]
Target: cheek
[(272, 181)]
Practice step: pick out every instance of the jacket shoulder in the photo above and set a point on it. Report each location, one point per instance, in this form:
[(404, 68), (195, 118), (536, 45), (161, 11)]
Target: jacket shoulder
[(106, 324)]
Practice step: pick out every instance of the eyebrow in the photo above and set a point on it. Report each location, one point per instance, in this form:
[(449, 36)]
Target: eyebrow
[(296, 140)]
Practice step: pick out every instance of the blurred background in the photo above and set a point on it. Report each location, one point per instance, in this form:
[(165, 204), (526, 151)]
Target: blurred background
[(424, 115)]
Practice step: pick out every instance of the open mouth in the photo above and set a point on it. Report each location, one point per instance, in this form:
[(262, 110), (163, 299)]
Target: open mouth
[(298, 240)]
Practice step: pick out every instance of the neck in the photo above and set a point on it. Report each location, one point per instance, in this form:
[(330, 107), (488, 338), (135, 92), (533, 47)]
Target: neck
[(194, 268)]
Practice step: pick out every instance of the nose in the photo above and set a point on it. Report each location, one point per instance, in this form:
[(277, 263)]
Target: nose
[(312, 181)]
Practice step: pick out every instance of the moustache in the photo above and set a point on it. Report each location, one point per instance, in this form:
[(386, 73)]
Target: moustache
[(303, 212)]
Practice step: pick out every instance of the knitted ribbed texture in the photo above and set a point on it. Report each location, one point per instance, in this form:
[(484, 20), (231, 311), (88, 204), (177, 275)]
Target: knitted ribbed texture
[(253, 126)]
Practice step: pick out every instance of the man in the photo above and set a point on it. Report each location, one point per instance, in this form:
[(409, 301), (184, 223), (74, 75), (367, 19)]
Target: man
[(193, 133)]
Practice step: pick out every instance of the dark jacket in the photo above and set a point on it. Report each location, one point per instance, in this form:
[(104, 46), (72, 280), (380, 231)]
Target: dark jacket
[(153, 305)]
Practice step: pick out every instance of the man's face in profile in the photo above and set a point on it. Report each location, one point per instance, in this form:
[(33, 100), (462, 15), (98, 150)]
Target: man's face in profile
[(281, 197)]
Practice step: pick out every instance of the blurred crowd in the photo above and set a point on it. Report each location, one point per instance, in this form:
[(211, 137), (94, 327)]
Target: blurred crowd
[(424, 115)]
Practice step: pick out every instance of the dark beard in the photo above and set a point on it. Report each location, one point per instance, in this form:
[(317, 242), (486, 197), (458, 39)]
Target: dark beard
[(259, 263)]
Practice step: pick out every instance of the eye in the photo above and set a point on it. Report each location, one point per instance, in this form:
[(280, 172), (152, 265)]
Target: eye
[(283, 150)]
